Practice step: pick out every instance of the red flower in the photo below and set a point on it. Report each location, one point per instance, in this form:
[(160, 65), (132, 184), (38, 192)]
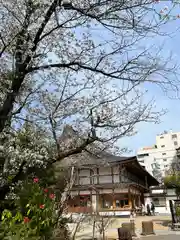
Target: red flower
[(26, 219), (46, 190), (52, 196), (41, 206), (36, 180)]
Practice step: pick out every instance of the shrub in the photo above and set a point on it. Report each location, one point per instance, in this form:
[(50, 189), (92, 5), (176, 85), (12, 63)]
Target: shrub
[(35, 216)]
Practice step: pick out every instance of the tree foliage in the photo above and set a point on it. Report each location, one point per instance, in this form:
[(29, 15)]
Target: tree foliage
[(35, 214), (172, 179), (78, 62)]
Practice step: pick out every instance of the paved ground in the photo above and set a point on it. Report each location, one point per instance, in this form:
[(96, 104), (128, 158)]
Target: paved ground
[(160, 225), (162, 237), (160, 228), (160, 222)]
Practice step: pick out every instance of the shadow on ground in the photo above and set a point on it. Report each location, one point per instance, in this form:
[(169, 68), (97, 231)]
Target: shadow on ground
[(161, 222)]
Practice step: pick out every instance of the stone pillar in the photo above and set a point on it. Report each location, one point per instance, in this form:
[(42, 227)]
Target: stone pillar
[(130, 226), (124, 234), (147, 228)]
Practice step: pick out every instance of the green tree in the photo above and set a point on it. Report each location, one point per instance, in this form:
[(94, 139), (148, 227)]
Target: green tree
[(29, 148), (172, 180), (35, 214)]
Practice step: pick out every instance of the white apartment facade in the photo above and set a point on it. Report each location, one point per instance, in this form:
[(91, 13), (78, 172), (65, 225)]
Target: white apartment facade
[(157, 159)]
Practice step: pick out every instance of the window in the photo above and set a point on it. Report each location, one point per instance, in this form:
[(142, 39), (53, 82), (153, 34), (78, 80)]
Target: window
[(121, 200), (159, 201), (165, 166), (117, 203), (162, 146), (84, 201), (163, 154), (141, 161), (174, 136), (121, 203), (156, 201), (107, 201), (143, 155), (175, 143), (161, 137), (164, 160)]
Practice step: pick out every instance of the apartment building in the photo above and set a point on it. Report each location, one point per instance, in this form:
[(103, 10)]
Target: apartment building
[(157, 158)]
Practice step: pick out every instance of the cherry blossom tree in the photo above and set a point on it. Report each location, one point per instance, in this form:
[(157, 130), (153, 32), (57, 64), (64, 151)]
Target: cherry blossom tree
[(171, 11), (82, 63)]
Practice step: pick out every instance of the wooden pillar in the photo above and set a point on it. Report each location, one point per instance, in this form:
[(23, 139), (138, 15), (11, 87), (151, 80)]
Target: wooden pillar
[(78, 173), (146, 182), (90, 176), (97, 175), (142, 198), (114, 202), (132, 199), (99, 201), (129, 198), (139, 197), (112, 175), (119, 169)]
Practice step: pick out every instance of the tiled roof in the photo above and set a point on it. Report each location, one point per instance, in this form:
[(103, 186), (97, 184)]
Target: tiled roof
[(96, 157)]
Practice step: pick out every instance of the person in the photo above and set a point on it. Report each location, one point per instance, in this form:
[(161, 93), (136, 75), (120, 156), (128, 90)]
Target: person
[(133, 213), (148, 210), (152, 208), (143, 209)]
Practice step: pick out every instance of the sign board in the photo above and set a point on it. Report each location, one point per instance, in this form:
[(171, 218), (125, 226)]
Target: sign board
[(120, 190), (105, 191), (157, 191), (84, 192)]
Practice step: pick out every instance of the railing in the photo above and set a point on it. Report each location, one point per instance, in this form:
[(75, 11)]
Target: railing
[(89, 209), (79, 209), (120, 209)]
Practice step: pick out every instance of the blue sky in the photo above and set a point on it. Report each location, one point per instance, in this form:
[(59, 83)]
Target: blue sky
[(146, 132), (171, 120)]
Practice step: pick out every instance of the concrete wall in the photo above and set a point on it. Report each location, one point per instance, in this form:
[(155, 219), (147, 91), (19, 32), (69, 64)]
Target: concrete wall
[(163, 154), (157, 156), (168, 139)]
